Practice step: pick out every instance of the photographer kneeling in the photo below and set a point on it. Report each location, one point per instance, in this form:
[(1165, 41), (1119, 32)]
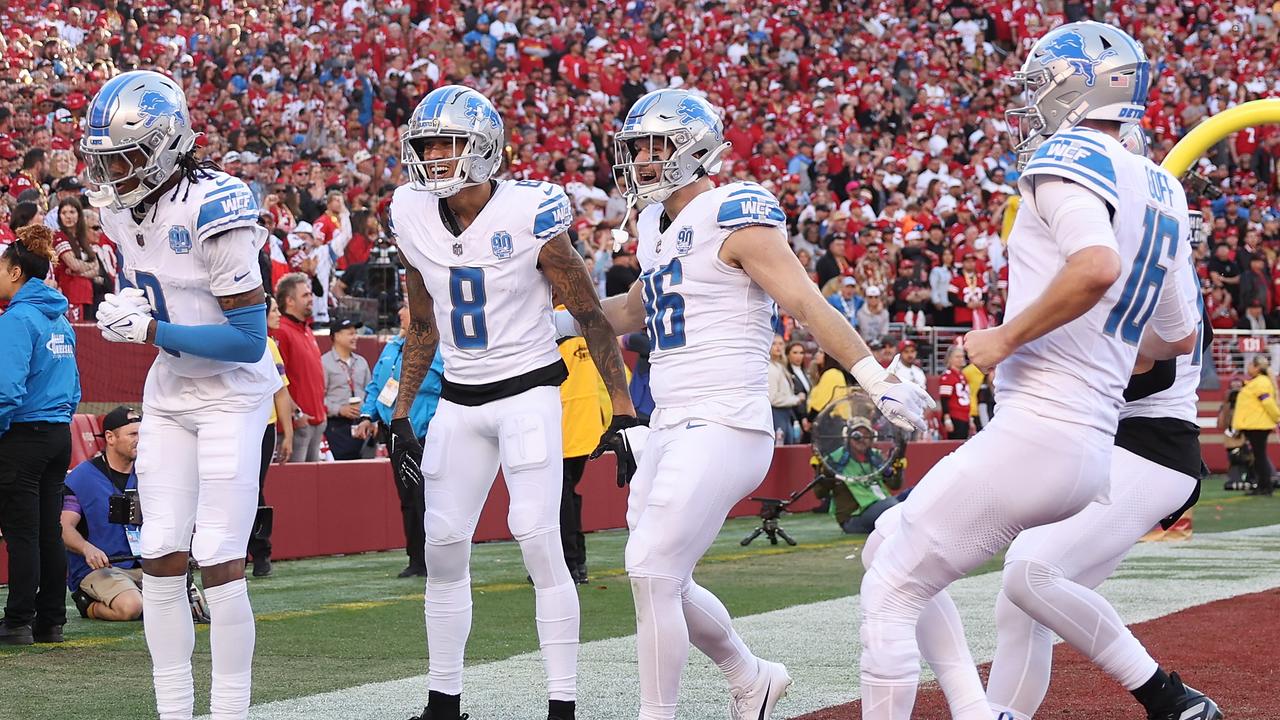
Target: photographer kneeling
[(103, 591), (855, 477)]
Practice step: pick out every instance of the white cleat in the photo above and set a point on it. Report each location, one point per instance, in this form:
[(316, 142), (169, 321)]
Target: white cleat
[(757, 700)]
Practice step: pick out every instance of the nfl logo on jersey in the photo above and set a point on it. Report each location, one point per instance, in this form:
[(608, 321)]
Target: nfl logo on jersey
[(179, 240), (684, 240), (501, 244)]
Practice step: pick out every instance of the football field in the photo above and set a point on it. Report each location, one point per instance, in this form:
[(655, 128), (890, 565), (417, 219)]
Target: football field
[(342, 638)]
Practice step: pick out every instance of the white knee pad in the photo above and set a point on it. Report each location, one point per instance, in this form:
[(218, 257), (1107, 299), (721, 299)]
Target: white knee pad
[(449, 562), (1024, 580), (544, 559)]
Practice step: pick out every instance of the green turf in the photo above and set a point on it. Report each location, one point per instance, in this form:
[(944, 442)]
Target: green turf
[(330, 623)]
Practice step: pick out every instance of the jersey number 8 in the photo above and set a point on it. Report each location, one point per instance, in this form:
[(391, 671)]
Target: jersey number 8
[(664, 309), (466, 293), (1129, 317)]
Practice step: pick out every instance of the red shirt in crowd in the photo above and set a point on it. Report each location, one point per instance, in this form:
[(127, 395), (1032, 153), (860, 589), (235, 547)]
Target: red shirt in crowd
[(301, 357), (953, 395), (966, 290), (77, 289)]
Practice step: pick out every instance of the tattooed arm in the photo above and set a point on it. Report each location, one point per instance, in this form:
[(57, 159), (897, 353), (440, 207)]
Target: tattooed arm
[(419, 344), (565, 270)]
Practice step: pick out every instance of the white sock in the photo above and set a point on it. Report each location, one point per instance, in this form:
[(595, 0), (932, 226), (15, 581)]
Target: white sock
[(940, 635), (171, 636), (448, 617), (231, 641), (556, 612), (711, 631), (662, 644)]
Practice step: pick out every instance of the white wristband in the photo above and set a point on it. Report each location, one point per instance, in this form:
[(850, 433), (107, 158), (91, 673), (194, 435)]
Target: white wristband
[(869, 374), (566, 325)]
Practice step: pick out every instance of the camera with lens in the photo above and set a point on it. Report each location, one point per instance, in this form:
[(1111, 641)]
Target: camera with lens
[(124, 509)]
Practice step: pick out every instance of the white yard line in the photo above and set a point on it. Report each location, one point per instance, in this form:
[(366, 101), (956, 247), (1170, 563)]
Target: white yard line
[(818, 642)]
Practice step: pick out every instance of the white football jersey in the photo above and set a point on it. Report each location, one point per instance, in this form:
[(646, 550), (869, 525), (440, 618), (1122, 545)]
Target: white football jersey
[(492, 303), (709, 325), (1078, 372), (166, 256), (1180, 400)]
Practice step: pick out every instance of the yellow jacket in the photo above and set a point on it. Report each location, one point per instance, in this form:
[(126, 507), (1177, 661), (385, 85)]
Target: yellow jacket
[(974, 377), (831, 386), (582, 419), (1256, 407)]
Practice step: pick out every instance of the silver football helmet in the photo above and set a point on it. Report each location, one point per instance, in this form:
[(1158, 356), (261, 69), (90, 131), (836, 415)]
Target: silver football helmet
[(1083, 70), (470, 121), (139, 128), (1134, 139), (688, 126)]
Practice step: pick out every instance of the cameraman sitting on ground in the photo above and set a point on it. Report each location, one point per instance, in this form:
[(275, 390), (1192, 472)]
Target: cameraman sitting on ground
[(857, 502), (101, 591)]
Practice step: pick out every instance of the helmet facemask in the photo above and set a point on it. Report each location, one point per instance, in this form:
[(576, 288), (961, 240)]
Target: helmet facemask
[(105, 185), (655, 179), (468, 150)]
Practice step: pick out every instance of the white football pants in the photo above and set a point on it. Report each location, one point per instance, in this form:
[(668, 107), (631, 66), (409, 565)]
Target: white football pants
[(464, 447), (689, 477), (198, 473), (1023, 470), (1049, 576)]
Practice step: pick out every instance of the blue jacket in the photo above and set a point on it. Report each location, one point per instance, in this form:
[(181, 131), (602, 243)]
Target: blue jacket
[(93, 489), (387, 367), (39, 380)]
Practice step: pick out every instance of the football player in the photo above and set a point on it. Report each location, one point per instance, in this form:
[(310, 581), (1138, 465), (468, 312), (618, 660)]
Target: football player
[(190, 238), (714, 260), (1099, 230), (1052, 569), (482, 258)]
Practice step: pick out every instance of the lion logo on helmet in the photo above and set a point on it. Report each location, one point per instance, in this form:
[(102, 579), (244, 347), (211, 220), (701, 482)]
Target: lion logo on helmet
[(479, 112), (692, 110), (1068, 47), (156, 105)]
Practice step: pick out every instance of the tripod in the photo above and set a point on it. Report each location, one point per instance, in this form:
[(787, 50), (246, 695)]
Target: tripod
[(770, 510)]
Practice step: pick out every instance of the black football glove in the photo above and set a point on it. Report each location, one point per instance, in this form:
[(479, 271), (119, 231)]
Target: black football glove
[(625, 438), (406, 454)]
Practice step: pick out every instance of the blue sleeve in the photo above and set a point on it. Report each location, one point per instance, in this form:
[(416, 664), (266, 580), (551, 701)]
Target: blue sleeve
[(20, 344), (1079, 156), (750, 204), (424, 406), (554, 214), (242, 340)]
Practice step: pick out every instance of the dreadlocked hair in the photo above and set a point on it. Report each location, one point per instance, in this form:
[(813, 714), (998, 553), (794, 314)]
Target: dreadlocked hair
[(33, 253), (193, 170)]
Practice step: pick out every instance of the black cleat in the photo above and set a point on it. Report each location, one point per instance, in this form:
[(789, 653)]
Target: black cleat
[(561, 710), (426, 715), (579, 574), (413, 571), (1191, 705)]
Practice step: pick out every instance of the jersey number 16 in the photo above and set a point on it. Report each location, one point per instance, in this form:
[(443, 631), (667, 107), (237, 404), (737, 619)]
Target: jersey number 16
[(1129, 317)]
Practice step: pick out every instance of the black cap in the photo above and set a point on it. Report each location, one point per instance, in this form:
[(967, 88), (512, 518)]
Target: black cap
[(876, 344), (344, 324), (70, 182), (119, 417)]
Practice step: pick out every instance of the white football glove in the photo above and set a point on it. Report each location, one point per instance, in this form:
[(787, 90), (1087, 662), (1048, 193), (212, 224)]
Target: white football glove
[(125, 316), (903, 403), (566, 326)]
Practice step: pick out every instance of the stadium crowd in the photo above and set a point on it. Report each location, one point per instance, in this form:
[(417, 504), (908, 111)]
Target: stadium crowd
[(879, 125)]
